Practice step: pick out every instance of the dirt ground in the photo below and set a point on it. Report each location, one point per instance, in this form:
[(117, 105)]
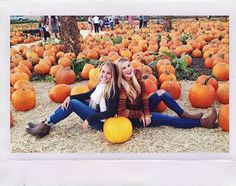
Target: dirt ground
[(68, 135)]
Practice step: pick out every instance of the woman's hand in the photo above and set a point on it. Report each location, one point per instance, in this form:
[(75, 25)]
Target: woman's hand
[(146, 120), (65, 103), (85, 125)]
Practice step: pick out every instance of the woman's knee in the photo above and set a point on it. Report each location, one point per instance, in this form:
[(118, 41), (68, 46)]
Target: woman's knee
[(160, 92)]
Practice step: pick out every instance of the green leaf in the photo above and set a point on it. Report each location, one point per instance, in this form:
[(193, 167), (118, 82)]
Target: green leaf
[(170, 55)]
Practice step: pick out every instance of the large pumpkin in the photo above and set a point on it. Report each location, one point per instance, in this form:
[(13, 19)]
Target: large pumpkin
[(201, 95), (223, 117), (117, 129), (65, 76), (59, 93), (23, 99)]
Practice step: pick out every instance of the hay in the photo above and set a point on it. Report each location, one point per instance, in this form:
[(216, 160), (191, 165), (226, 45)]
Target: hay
[(68, 136)]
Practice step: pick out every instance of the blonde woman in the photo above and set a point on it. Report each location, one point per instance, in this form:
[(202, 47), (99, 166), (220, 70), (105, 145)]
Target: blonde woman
[(135, 104), (102, 104)]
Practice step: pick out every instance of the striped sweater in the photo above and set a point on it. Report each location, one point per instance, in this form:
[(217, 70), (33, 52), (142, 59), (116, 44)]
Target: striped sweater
[(139, 107)]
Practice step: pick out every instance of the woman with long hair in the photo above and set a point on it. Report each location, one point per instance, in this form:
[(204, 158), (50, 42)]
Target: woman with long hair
[(135, 104), (102, 104)]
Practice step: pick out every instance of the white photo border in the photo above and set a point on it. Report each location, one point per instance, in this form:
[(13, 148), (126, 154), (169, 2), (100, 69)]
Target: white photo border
[(101, 7), (93, 7)]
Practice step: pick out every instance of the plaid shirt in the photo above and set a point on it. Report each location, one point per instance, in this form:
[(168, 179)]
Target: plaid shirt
[(140, 105)]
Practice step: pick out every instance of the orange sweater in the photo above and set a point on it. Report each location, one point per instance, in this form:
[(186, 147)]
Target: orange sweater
[(139, 107)]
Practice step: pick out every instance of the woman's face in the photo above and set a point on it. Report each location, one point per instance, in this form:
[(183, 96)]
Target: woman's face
[(105, 74), (127, 70)]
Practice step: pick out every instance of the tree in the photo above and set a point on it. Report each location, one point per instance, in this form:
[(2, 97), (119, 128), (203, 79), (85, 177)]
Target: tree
[(167, 23), (70, 33)]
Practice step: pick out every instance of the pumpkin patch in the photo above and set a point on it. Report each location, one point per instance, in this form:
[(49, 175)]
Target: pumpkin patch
[(189, 60)]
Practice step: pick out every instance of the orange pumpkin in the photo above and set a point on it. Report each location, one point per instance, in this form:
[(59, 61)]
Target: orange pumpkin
[(17, 76), (85, 71), (173, 88), (124, 52), (165, 68), (222, 93), (223, 117), (65, 76), (221, 71), (42, 69), (65, 62), (150, 86), (161, 107), (23, 99), (201, 95), (166, 76), (197, 53), (59, 93), (23, 84), (54, 69), (212, 81)]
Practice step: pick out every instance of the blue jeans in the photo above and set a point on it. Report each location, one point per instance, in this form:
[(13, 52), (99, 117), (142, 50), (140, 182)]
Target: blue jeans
[(82, 109), (158, 119)]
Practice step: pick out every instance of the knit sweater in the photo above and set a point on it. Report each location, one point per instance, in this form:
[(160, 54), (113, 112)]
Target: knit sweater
[(111, 104), (139, 107)]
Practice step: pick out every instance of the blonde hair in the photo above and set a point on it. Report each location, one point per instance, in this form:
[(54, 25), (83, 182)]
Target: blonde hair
[(111, 85), (132, 89)]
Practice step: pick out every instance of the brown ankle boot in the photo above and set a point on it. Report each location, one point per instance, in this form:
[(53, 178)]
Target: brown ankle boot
[(32, 125), (209, 122), (192, 116), (41, 130)]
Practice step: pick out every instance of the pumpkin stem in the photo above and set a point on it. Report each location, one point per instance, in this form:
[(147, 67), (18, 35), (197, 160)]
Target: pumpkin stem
[(206, 80)]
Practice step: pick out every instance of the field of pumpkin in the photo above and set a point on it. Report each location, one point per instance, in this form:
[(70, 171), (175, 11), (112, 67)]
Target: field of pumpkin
[(190, 61)]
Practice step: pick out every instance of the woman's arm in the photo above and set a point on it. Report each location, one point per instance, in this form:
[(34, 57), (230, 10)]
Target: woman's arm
[(110, 112), (122, 109)]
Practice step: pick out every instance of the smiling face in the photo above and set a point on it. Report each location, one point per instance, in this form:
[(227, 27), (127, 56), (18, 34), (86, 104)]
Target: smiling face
[(127, 70), (105, 74)]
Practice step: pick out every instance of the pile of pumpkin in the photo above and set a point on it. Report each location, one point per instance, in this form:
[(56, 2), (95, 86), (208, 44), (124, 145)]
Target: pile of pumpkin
[(19, 37)]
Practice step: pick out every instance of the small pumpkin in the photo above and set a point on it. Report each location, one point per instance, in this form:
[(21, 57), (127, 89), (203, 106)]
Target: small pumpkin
[(117, 129)]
